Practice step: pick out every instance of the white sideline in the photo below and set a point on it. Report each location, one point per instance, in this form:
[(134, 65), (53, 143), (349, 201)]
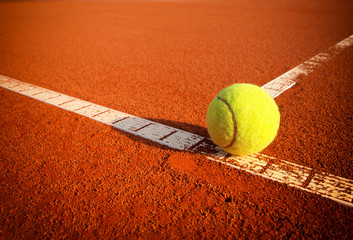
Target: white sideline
[(327, 185)]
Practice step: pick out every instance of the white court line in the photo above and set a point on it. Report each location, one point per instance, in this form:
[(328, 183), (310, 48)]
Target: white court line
[(327, 185), (288, 79)]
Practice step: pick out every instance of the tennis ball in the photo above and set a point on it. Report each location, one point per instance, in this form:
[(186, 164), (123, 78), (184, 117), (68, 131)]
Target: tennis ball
[(243, 119)]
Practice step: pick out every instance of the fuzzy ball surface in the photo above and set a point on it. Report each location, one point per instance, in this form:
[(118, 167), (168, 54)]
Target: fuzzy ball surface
[(243, 119)]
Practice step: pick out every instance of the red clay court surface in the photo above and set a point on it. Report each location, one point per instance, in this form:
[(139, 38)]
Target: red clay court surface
[(65, 176)]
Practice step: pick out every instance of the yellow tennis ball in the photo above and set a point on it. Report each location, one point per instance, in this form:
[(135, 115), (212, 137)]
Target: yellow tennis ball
[(243, 119)]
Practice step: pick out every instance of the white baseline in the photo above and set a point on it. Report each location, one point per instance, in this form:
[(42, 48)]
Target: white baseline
[(324, 184)]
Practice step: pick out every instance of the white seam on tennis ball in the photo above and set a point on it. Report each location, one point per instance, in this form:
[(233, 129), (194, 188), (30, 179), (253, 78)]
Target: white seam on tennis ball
[(327, 185)]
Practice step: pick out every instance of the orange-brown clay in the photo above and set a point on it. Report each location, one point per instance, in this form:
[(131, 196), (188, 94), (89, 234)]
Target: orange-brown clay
[(67, 176)]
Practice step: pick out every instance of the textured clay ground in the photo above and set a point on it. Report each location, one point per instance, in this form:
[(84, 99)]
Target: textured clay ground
[(66, 176)]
